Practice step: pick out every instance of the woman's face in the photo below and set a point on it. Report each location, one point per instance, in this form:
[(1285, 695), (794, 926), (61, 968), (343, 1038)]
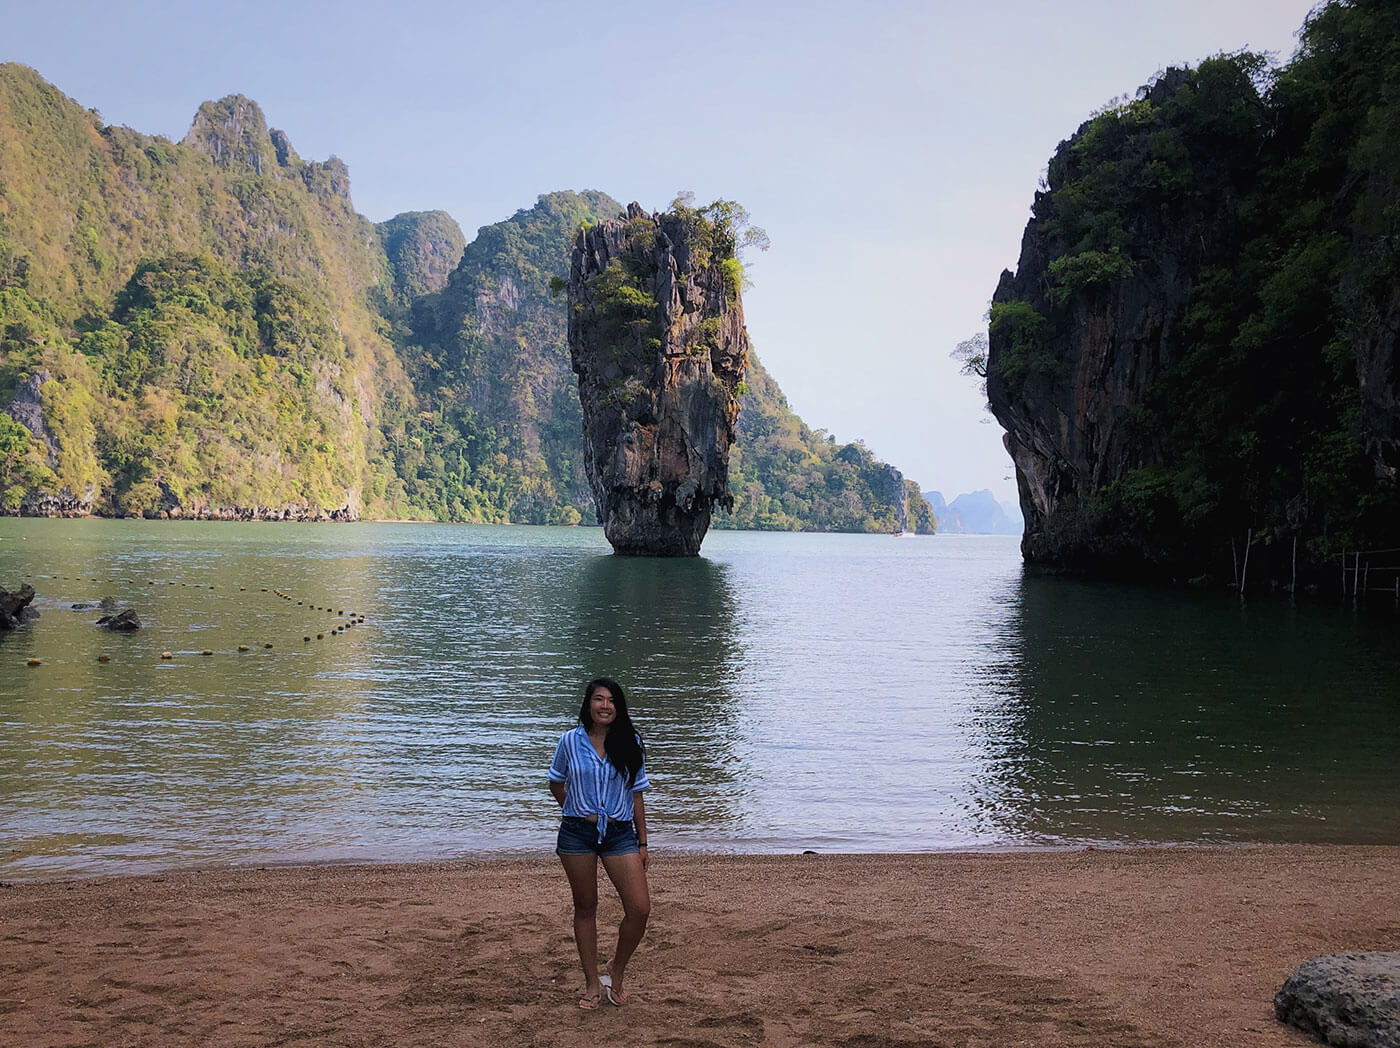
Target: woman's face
[(601, 708)]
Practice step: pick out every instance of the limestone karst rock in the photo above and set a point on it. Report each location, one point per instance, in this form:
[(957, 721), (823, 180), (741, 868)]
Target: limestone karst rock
[(14, 607), (1190, 388), (657, 339)]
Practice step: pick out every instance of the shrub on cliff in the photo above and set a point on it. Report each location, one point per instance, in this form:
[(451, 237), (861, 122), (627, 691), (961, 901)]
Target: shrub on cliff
[(1207, 271)]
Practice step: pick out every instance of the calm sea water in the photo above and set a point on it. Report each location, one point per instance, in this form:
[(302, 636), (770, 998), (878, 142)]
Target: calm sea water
[(832, 692)]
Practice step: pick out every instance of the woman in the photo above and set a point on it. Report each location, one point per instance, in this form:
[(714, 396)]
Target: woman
[(597, 776)]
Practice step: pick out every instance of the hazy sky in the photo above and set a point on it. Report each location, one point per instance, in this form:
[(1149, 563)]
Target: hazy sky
[(890, 150)]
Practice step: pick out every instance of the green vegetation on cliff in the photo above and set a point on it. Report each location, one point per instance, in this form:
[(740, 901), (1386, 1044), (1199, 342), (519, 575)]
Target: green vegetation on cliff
[(498, 431), (1223, 247), (207, 327), (786, 477)]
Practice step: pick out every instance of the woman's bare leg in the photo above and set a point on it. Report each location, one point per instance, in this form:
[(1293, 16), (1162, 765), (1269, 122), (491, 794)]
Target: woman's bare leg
[(582, 871), (629, 876)]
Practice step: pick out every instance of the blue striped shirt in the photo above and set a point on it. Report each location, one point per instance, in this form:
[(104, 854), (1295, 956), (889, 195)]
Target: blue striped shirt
[(592, 786)]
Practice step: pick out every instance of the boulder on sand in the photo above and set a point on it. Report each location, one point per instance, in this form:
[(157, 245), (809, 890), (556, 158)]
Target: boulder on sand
[(1350, 999)]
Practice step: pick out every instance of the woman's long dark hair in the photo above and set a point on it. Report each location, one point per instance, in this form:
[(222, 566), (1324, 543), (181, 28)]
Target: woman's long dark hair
[(623, 745)]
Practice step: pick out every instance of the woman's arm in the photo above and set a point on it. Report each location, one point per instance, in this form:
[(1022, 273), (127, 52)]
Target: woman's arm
[(639, 821), (558, 790)]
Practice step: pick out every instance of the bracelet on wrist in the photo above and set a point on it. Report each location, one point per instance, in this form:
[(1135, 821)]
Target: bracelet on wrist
[(641, 844)]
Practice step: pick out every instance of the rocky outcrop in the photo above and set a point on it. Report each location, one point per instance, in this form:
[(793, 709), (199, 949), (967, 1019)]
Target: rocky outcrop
[(657, 339), (1350, 999), (122, 622), (62, 503), (265, 513), (14, 607), (1194, 361), (26, 407), (424, 248), (1073, 353), (234, 133)]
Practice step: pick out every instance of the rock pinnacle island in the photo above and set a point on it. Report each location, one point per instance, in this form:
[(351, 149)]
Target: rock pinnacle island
[(657, 339)]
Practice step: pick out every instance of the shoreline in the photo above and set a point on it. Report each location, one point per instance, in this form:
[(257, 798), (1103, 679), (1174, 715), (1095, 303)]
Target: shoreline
[(685, 853), (1174, 945)]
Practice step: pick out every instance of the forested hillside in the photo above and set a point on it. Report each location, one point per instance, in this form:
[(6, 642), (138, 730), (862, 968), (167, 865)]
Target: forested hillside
[(1196, 358), (208, 328)]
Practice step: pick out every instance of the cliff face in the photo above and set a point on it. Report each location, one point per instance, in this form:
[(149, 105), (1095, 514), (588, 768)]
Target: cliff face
[(657, 339), (1083, 330), (206, 328), (423, 248), (1195, 358)]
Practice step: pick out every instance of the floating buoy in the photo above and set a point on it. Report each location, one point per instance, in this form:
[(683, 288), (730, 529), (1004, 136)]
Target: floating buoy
[(104, 658), (166, 655), (307, 637), (35, 662), (207, 651), (320, 636), (266, 646), (242, 647), (264, 589)]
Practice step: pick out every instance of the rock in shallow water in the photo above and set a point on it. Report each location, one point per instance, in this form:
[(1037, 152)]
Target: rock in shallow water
[(1350, 999), (657, 339), (14, 607), (123, 621)]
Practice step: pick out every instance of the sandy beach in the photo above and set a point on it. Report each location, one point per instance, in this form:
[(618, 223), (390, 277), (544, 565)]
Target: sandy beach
[(1094, 947)]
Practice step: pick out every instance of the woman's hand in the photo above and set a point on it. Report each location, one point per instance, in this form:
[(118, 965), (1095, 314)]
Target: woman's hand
[(639, 823)]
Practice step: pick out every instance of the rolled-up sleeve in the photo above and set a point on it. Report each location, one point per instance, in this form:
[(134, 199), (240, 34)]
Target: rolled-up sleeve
[(559, 767)]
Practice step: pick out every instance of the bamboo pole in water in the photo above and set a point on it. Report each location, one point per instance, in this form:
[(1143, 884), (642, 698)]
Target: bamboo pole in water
[(1293, 583), (1244, 571)]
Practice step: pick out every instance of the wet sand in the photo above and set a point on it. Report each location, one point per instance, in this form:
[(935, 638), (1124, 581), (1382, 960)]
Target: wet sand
[(1098, 947)]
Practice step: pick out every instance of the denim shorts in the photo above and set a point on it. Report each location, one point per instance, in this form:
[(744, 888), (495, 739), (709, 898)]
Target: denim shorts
[(580, 837)]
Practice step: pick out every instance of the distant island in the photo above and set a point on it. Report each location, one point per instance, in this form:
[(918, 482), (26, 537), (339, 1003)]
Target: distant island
[(975, 513), (207, 329), (1195, 361)]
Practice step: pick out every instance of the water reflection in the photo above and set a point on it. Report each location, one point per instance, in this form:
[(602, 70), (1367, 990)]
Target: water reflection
[(136, 759), (424, 732), (838, 692), (666, 629), (1138, 715)]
